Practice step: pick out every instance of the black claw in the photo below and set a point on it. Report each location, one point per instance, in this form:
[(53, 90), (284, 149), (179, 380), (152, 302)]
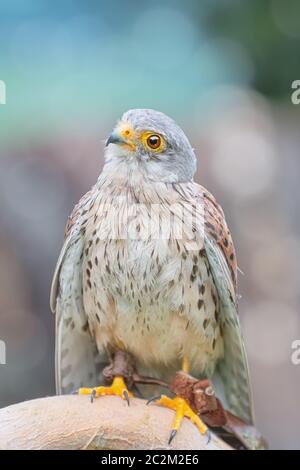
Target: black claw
[(153, 399), (125, 394), (208, 433), (93, 395), (172, 435)]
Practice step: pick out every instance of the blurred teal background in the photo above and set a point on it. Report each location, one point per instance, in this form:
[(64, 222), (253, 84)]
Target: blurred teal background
[(68, 60), (223, 70)]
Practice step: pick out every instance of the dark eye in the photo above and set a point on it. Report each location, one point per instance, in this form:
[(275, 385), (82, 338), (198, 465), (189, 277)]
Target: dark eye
[(154, 141)]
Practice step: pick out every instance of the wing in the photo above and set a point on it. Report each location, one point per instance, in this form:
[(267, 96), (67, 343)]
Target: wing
[(72, 231), (233, 368), (77, 361)]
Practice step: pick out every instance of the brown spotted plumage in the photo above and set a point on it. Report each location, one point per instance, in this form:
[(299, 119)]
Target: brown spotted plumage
[(216, 228)]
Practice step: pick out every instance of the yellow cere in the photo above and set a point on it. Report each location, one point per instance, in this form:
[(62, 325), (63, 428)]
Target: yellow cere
[(128, 134), (126, 131)]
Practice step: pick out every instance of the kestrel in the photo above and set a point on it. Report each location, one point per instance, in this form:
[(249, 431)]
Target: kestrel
[(148, 270)]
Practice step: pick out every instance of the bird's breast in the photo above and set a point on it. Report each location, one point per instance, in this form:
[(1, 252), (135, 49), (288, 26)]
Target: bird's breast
[(151, 295)]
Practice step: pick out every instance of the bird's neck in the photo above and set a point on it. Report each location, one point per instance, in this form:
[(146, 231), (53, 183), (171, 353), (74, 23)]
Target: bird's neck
[(123, 172), (130, 180)]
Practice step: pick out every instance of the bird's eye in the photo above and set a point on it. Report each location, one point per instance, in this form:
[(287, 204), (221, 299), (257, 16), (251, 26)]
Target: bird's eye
[(154, 141)]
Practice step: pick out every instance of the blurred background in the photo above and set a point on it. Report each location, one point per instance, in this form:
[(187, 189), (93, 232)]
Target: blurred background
[(223, 70)]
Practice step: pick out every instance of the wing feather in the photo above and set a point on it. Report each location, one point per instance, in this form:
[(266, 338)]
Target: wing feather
[(77, 361), (233, 368)]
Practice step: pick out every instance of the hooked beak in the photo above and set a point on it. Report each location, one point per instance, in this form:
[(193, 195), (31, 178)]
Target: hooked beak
[(115, 138), (122, 135)]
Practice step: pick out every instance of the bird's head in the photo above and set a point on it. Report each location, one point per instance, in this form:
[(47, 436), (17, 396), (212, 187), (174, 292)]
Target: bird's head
[(155, 143)]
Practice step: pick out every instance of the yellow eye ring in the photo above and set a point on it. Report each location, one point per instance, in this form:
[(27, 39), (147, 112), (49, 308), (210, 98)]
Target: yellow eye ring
[(153, 141)]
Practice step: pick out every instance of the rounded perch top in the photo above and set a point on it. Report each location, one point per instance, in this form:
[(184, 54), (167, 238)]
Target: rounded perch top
[(72, 422)]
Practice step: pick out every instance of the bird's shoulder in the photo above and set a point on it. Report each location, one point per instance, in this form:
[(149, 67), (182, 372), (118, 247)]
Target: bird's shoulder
[(78, 211), (216, 229)]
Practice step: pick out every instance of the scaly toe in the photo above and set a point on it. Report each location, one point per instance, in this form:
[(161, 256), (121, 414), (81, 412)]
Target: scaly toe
[(182, 409), (117, 388)]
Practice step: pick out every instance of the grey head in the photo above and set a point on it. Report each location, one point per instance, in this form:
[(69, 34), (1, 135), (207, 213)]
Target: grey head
[(155, 143)]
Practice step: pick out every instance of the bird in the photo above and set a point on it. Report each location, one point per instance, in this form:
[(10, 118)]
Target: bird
[(148, 268)]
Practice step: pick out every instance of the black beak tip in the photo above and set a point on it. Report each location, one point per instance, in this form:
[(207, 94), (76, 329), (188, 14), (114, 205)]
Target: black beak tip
[(114, 139), (109, 141)]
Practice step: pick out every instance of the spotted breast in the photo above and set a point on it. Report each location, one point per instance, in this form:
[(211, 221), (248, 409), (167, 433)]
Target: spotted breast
[(141, 287)]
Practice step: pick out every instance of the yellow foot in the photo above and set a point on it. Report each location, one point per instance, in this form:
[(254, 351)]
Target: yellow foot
[(182, 409), (118, 388)]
